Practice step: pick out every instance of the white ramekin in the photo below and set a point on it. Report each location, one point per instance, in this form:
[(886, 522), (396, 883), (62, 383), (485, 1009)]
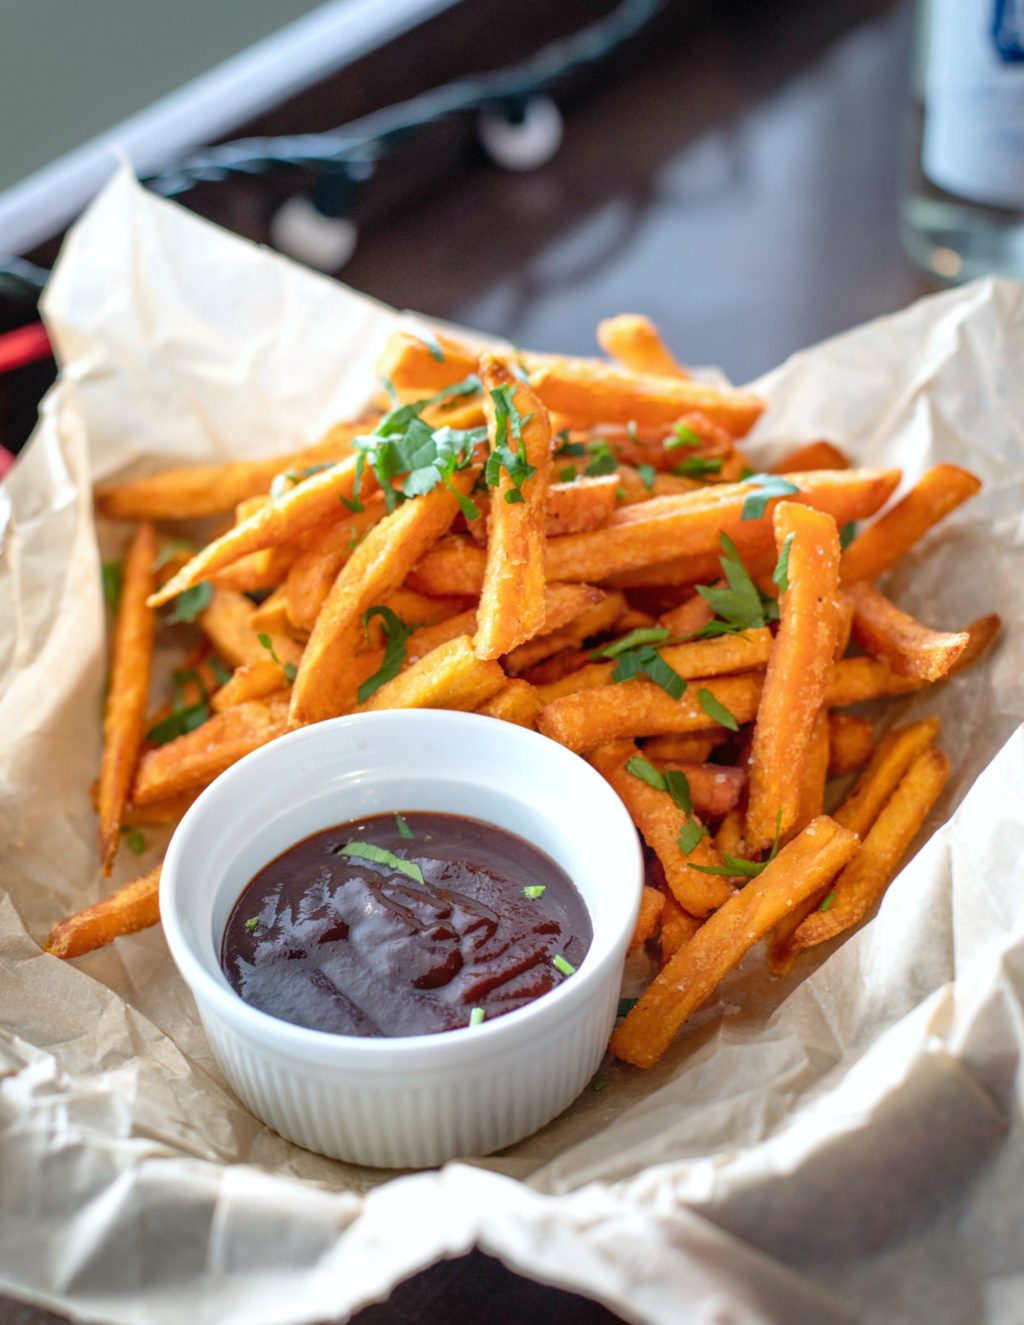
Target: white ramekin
[(415, 1100)]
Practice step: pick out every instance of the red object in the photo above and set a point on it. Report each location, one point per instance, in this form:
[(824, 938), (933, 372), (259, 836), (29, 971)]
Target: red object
[(6, 461), (24, 346)]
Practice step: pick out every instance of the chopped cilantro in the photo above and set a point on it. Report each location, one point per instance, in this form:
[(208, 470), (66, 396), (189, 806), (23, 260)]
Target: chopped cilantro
[(560, 964), (715, 709), (403, 828), (567, 475), (508, 424), (739, 607), (252, 923), (113, 578), (189, 603), (781, 572), (647, 661), (647, 474), (737, 867), (220, 673), (599, 1085), (477, 1016), (827, 901), (771, 486), (289, 669), (171, 548), (696, 466), (683, 436), (567, 448), (183, 717), (621, 494), (642, 635), (690, 834), (396, 632), (626, 1006), (604, 460), (378, 856), (133, 840), (847, 534), (432, 343), (533, 891)]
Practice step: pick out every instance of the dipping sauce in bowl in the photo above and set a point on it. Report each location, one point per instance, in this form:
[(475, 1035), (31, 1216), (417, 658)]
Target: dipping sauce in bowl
[(404, 924)]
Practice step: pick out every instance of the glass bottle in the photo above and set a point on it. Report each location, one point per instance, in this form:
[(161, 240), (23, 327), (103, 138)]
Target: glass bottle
[(963, 200)]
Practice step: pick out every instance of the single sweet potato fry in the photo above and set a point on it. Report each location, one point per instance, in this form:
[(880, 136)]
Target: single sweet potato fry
[(688, 617), (799, 869), (878, 548), (850, 743), (586, 503), (516, 701), (131, 658), (844, 623), (895, 637), (260, 570), (594, 620), (815, 455), (677, 927), (227, 623), (729, 839), (314, 571), (252, 680), (660, 821), (798, 675), (895, 753), (454, 566), (693, 748), (812, 785), (194, 760), (325, 685), (511, 608), (636, 342), (652, 904), (451, 677), (271, 616), (874, 866), (553, 669), (133, 907)]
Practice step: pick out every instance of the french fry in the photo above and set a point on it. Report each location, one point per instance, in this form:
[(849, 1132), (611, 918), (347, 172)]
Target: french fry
[(800, 868), (878, 548), (516, 701), (894, 755), (729, 840), (194, 760), (271, 616), (552, 669), (677, 927), (203, 490), (715, 789), (850, 743), (562, 603), (454, 566), (313, 572), (691, 525), (158, 815), (875, 865), (799, 672), (595, 620), (281, 520), (131, 659), (252, 680), (425, 639), (325, 685), (640, 708), (815, 455), (688, 617), (451, 677), (895, 637), (693, 748), (574, 506), (636, 343), (652, 904), (660, 821), (227, 623), (844, 623), (135, 906), (856, 680), (511, 608), (812, 786), (981, 634)]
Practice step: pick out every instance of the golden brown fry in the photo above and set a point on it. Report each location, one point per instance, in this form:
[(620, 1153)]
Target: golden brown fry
[(798, 675), (687, 618), (677, 927), (281, 520), (555, 668), (636, 342), (980, 634), (271, 616), (131, 659), (194, 760), (252, 680), (595, 620), (652, 904), (314, 571), (425, 639), (812, 786), (881, 545), (856, 680), (667, 528), (259, 570), (661, 821), (693, 748), (799, 869), (815, 455), (158, 815), (729, 839), (451, 677), (227, 623), (574, 506), (874, 866), (894, 755), (844, 623), (640, 708), (516, 701), (325, 685), (511, 608), (850, 743), (133, 907), (454, 566), (715, 789), (899, 640)]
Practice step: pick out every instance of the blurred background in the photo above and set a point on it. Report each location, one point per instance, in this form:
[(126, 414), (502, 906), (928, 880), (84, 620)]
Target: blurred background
[(752, 176)]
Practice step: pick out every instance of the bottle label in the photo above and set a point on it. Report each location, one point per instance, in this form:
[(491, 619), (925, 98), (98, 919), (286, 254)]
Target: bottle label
[(974, 100)]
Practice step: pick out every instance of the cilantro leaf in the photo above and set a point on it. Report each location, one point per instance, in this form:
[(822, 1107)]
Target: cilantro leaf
[(567, 475), (562, 965), (396, 632), (644, 770), (190, 602), (626, 1006), (647, 661), (403, 828), (696, 466), (683, 436), (642, 635), (737, 867), (739, 606), (781, 572), (113, 578), (716, 710), (691, 833), (183, 717), (534, 890), (289, 669), (431, 342), (647, 475), (675, 783), (567, 448), (508, 424), (771, 486), (133, 840), (828, 900), (847, 534), (604, 460), (379, 856), (170, 550)]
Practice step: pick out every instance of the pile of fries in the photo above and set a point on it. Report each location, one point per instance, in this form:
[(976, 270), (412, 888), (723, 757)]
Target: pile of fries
[(580, 547)]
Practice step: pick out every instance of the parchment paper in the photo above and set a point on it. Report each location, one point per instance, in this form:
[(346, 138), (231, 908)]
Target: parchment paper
[(845, 1143)]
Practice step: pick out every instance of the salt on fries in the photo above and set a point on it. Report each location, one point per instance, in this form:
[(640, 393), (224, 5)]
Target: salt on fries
[(578, 547)]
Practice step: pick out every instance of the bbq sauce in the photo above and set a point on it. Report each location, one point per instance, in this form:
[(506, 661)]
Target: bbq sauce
[(325, 938)]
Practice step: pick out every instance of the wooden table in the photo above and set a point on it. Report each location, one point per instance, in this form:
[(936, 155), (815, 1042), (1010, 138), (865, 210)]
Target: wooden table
[(736, 179)]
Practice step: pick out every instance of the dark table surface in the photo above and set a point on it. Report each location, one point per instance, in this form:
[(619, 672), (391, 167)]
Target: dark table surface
[(737, 179)]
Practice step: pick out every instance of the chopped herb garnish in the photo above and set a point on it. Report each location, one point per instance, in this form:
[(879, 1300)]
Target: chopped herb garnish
[(477, 1016), (604, 460), (508, 424), (403, 828), (599, 1085), (771, 486), (626, 1006), (847, 534), (644, 770), (682, 436), (533, 891), (378, 856), (560, 964), (113, 577), (433, 345), (745, 473), (739, 607), (737, 867), (172, 548), (567, 475), (184, 717), (567, 448), (781, 572), (396, 632), (690, 834), (697, 465), (133, 840), (828, 900), (389, 387), (621, 494), (252, 923), (647, 475), (642, 635), (289, 669), (190, 602), (647, 661), (715, 709), (674, 782), (282, 482), (220, 673)]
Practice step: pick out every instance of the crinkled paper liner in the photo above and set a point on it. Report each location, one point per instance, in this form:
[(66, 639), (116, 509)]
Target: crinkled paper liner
[(844, 1143)]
